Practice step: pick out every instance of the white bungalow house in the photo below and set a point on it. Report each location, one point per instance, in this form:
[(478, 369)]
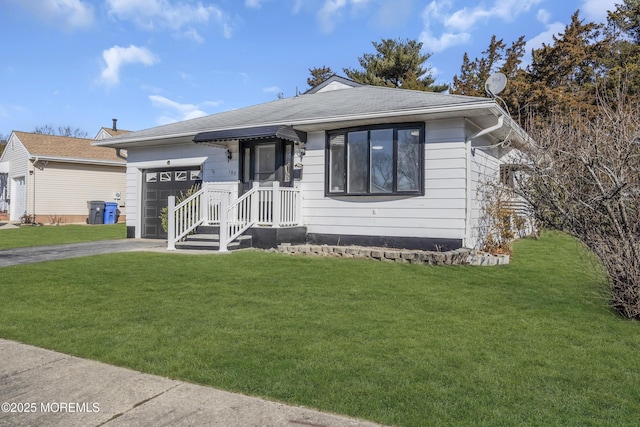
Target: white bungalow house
[(50, 179), (343, 164)]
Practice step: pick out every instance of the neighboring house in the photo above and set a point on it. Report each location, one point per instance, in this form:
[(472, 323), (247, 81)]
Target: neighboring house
[(52, 178), (347, 163), (106, 133)]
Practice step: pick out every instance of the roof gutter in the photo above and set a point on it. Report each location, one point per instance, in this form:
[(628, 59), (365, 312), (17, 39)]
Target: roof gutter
[(467, 242), (36, 159)]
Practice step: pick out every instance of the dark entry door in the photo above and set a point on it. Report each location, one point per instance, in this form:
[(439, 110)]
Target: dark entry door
[(266, 163), (157, 186)]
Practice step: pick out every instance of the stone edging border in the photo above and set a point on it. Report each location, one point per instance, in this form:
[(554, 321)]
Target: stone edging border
[(407, 256)]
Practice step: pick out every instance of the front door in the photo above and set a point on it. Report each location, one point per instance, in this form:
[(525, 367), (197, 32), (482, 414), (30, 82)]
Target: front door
[(266, 163)]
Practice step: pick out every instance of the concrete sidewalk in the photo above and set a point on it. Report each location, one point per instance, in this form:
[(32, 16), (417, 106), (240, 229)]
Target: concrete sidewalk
[(41, 387)]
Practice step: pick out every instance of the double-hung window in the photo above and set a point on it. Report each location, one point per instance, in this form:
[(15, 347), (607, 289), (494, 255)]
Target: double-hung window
[(379, 160)]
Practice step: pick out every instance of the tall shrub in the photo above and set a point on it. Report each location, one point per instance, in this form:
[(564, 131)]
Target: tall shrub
[(585, 179)]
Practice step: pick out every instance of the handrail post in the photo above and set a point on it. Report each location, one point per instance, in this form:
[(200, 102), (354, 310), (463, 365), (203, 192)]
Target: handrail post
[(224, 226), (298, 207), (254, 203), (276, 205), (204, 206), (171, 224)]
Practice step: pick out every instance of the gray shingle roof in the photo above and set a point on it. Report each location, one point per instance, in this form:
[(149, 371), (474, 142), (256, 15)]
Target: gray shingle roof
[(307, 108)]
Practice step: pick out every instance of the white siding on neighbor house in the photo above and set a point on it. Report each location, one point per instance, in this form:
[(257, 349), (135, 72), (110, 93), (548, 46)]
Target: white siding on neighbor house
[(440, 213), (216, 168), (103, 134), (18, 157), (65, 188)]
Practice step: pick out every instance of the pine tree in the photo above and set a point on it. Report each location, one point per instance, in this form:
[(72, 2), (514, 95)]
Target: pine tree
[(319, 75), (397, 63), (563, 75)]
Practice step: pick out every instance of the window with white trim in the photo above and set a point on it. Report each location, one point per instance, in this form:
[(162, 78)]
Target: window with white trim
[(378, 160)]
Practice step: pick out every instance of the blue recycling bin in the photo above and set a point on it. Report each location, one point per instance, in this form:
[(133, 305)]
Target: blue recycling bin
[(110, 210)]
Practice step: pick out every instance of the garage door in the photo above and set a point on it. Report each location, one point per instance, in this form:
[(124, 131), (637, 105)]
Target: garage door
[(158, 185)]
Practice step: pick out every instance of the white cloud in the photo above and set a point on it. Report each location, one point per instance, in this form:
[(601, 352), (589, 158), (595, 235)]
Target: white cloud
[(72, 13), (543, 16), (253, 4), (596, 10), (193, 35), (272, 89), (435, 13), (327, 15), (445, 41), (506, 10), (456, 27), (330, 13), (152, 14), (117, 56), (176, 112)]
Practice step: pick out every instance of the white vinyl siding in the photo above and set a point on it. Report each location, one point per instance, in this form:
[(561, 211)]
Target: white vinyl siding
[(440, 213), (18, 158), (65, 188)]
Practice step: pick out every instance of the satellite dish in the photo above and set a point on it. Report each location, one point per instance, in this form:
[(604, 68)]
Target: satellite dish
[(495, 83)]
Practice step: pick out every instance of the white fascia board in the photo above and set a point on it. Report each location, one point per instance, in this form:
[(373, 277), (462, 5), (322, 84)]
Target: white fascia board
[(77, 161), (179, 163)]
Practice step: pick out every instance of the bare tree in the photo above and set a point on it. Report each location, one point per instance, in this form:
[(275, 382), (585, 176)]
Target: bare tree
[(584, 179), (60, 131), (3, 142)]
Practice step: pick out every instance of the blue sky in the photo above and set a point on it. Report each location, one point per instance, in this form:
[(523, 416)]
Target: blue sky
[(80, 63)]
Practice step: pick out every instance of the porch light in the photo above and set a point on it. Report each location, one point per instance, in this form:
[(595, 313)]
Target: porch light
[(229, 155)]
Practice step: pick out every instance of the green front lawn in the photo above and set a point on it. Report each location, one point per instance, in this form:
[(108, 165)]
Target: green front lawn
[(27, 236), (531, 343)]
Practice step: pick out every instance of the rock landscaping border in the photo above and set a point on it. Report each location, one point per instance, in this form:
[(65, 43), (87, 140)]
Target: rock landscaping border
[(406, 256)]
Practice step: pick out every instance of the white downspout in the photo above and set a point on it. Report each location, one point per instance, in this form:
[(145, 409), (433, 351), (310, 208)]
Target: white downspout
[(468, 176)]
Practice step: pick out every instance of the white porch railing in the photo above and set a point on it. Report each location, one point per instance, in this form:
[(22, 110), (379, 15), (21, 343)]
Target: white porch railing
[(201, 208), (263, 206)]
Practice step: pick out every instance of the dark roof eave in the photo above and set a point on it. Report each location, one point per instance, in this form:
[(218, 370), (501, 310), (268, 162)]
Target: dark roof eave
[(284, 132)]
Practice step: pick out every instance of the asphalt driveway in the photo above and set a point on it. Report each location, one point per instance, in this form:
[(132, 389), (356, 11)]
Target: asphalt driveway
[(34, 254)]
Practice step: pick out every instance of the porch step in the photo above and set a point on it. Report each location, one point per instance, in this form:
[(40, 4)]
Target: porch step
[(211, 242)]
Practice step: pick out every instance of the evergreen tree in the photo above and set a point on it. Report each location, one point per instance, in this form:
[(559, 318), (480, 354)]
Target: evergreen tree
[(563, 75), (623, 60), (319, 75), (396, 63), (496, 58)]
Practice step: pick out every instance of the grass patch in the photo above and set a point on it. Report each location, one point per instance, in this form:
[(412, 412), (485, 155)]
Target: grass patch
[(27, 236), (531, 343)]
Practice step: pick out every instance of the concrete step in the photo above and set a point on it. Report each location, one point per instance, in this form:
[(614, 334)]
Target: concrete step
[(208, 229), (211, 242), (203, 237)]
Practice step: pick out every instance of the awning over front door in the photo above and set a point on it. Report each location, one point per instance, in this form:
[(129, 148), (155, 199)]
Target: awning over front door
[(284, 132)]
